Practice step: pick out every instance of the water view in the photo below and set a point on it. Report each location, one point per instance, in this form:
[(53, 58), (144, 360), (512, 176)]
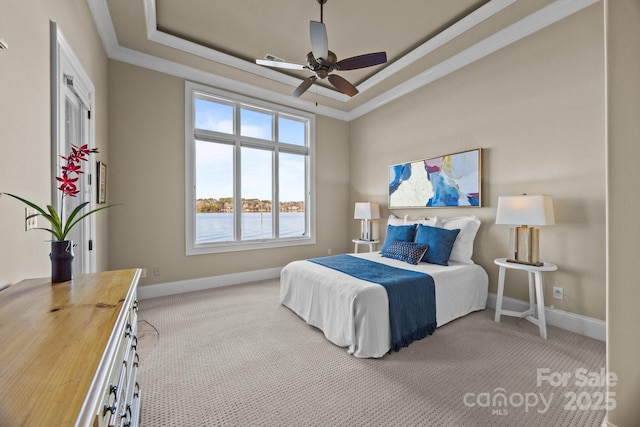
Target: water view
[(218, 227)]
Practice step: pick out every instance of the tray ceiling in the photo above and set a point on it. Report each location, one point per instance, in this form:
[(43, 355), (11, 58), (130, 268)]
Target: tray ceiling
[(216, 42)]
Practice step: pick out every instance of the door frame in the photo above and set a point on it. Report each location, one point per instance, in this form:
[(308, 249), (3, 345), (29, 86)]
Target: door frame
[(66, 70)]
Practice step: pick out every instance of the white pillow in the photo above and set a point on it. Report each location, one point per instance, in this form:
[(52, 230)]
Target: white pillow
[(462, 250), (395, 221), (433, 222)]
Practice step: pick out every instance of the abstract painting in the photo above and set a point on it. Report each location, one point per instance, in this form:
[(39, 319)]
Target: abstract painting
[(446, 181)]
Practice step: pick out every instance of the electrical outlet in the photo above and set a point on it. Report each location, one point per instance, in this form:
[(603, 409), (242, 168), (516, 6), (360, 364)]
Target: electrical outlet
[(558, 293), (30, 219), (329, 251), (143, 272), (156, 271)]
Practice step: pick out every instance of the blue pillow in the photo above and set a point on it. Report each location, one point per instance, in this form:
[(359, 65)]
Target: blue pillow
[(404, 233), (440, 242), (410, 252)]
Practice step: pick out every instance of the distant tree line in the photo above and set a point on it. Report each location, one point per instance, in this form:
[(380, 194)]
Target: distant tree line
[(225, 204)]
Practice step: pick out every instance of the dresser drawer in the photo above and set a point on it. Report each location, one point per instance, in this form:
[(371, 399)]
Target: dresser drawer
[(118, 405)]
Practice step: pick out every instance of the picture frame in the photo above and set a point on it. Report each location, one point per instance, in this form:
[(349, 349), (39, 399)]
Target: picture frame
[(102, 183), (451, 180)]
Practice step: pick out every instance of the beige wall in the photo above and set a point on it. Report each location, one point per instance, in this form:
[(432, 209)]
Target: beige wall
[(146, 175), (25, 131), (539, 101), (536, 108), (623, 150)]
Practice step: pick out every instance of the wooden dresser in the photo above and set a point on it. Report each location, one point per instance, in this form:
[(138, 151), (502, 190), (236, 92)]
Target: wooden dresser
[(68, 352)]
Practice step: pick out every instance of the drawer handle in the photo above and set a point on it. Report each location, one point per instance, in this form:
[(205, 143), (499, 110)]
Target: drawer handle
[(136, 360), (127, 330), (113, 389), (111, 409), (134, 342), (135, 305), (128, 414)]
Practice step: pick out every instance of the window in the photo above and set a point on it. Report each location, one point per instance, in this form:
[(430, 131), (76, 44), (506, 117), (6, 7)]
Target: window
[(249, 173)]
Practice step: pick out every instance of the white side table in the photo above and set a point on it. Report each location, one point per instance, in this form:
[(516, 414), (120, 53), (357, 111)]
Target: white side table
[(535, 285), (369, 243)]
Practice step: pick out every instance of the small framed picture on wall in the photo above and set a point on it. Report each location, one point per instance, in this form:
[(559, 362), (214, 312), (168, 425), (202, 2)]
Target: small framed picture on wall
[(102, 183)]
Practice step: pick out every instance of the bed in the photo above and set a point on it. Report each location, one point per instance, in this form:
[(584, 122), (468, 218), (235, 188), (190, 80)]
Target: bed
[(354, 313)]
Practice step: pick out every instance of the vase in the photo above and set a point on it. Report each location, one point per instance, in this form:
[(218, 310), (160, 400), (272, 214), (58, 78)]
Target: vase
[(61, 259)]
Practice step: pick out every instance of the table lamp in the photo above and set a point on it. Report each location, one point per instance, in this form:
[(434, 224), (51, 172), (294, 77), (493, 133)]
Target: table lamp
[(366, 211), (524, 211)]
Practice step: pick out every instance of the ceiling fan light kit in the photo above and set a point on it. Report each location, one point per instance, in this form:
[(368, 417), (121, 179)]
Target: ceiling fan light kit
[(322, 62)]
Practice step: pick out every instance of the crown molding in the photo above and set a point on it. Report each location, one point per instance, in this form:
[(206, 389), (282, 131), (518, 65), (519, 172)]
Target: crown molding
[(531, 24), (544, 17)]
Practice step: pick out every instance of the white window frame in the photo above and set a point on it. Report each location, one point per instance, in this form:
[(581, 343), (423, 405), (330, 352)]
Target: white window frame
[(192, 90)]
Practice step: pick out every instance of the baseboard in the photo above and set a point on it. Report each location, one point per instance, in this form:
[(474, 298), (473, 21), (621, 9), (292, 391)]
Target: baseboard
[(172, 288), (577, 323)]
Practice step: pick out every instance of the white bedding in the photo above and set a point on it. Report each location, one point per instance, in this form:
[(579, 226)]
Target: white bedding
[(354, 313)]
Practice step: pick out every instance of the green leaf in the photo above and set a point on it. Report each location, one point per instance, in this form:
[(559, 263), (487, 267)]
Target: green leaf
[(75, 212), (25, 201), (57, 230), (70, 224), (51, 216), (56, 223)]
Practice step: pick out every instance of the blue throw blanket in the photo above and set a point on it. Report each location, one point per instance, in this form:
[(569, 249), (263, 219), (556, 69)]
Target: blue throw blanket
[(412, 295)]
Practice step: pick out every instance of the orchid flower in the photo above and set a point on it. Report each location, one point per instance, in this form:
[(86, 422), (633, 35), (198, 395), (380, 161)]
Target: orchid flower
[(70, 173)]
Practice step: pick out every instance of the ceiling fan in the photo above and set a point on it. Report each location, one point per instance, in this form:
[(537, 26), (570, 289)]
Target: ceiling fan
[(323, 62)]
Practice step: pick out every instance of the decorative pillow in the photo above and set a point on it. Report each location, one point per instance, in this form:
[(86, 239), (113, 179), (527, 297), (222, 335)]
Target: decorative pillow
[(463, 247), (409, 252), (404, 233), (439, 241)]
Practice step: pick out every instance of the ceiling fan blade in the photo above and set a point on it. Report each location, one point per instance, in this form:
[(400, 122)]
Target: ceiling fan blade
[(319, 41), (279, 64), (306, 84), (342, 85), (362, 61)]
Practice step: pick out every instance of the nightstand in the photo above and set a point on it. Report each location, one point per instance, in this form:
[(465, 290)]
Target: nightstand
[(369, 243), (536, 293)]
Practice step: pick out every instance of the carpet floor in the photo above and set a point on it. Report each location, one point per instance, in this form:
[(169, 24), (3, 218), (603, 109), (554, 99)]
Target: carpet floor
[(234, 356)]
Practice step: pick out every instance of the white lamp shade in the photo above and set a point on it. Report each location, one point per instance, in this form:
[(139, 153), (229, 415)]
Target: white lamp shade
[(366, 210), (525, 210)]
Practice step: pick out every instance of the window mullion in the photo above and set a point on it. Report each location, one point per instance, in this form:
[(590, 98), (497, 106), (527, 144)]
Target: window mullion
[(237, 175), (210, 136), (293, 149), (275, 204), (275, 179)]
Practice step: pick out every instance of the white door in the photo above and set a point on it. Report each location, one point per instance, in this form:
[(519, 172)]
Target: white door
[(72, 101), (75, 132)]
